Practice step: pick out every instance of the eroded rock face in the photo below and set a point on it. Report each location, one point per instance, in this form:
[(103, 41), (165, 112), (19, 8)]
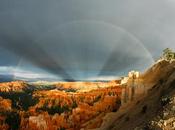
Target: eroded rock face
[(133, 74), (165, 120), (38, 121), (146, 111), (5, 104), (5, 107), (85, 86), (57, 109), (16, 86), (75, 110)]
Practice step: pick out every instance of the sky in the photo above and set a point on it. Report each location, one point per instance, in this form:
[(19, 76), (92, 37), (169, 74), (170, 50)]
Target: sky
[(82, 39)]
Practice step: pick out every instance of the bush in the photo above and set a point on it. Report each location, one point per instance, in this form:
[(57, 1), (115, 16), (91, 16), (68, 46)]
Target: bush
[(54, 109), (97, 98), (74, 105), (13, 120)]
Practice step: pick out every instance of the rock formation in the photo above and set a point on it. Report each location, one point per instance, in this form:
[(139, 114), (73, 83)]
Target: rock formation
[(152, 110)]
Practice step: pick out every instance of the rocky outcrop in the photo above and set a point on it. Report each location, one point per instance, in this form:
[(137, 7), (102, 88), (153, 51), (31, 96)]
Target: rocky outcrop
[(38, 121), (5, 105), (75, 110), (139, 113), (165, 120), (85, 86), (132, 87), (15, 86)]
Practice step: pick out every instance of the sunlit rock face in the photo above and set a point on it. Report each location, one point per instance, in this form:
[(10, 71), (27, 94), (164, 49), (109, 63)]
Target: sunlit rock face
[(38, 121), (5, 105), (16, 86), (68, 105)]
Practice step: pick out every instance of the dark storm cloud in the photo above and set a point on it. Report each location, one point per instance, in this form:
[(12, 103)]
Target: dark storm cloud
[(123, 57), (8, 58), (38, 31), (23, 45)]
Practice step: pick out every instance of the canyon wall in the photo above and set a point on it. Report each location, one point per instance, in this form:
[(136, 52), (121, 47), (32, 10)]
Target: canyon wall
[(133, 87)]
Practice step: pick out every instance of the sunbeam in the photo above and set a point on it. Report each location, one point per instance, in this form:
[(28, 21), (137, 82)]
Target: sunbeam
[(32, 52), (87, 46)]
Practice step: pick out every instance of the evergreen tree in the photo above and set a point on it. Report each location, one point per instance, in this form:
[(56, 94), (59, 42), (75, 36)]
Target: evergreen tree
[(168, 54)]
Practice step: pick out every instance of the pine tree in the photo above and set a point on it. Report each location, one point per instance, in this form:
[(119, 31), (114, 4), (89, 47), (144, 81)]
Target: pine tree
[(168, 54)]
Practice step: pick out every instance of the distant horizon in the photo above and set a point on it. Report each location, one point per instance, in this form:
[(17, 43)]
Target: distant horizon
[(8, 78)]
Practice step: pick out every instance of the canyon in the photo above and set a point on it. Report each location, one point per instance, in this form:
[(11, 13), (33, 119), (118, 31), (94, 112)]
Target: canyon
[(128, 103), (62, 105)]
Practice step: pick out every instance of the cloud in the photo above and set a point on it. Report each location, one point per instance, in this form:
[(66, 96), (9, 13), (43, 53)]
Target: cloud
[(19, 73), (47, 35), (102, 78)]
